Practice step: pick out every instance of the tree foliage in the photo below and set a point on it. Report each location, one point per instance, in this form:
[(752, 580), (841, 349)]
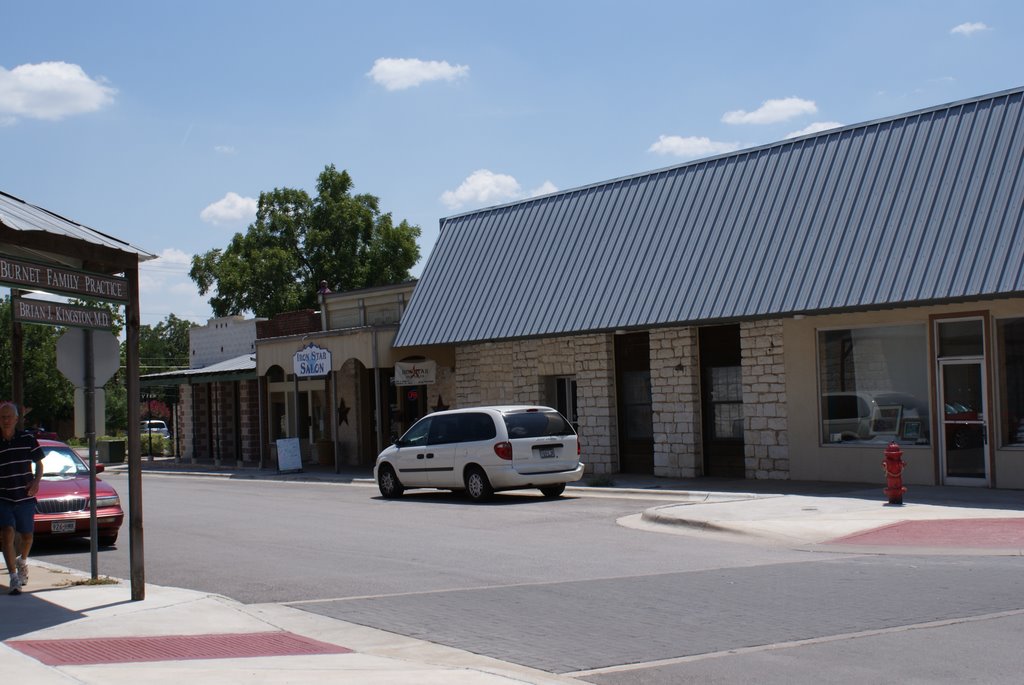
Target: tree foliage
[(164, 347), (296, 241), (48, 394)]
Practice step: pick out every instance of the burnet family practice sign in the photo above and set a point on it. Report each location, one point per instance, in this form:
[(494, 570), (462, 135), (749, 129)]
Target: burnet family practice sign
[(52, 279), (311, 361)]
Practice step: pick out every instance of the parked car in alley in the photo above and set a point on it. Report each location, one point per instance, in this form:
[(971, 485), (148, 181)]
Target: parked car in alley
[(483, 450), (62, 503), (156, 427)]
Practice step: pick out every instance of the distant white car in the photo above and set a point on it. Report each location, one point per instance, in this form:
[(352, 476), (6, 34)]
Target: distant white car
[(482, 450), (156, 427)]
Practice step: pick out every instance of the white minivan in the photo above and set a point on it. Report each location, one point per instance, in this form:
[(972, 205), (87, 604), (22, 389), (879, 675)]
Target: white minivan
[(482, 450)]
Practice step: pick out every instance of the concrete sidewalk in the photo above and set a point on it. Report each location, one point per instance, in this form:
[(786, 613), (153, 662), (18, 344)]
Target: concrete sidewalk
[(61, 617), (992, 525)]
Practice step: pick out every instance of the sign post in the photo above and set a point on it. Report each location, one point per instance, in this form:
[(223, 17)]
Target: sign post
[(88, 357)]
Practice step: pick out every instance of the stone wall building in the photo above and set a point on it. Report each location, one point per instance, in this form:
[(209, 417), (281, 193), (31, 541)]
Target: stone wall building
[(780, 312)]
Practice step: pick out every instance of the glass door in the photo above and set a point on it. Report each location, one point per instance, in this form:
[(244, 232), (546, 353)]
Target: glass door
[(964, 434), (721, 391)]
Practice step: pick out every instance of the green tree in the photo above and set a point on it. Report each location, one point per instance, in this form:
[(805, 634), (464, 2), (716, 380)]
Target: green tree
[(117, 401), (297, 241), (164, 347), (48, 394)]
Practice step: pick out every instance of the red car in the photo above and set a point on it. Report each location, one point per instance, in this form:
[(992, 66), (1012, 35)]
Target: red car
[(62, 504)]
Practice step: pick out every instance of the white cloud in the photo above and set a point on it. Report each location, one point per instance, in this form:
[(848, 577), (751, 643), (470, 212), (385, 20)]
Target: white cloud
[(165, 288), (690, 146), (545, 188), (230, 209), (816, 127), (399, 74), (483, 187), (50, 91), (224, 149), (968, 28), (772, 111)]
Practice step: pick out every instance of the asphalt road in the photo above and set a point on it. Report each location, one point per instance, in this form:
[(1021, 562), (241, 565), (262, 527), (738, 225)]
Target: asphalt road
[(558, 585)]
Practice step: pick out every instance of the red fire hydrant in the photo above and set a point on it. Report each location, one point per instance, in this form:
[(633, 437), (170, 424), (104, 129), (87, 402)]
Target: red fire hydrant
[(893, 466)]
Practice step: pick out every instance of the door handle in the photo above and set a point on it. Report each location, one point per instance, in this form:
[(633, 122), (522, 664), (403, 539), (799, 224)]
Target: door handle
[(430, 455)]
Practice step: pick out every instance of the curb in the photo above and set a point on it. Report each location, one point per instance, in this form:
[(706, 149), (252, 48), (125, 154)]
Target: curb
[(654, 516)]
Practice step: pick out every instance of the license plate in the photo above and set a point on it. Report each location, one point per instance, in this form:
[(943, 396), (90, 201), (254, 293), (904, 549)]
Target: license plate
[(62, 527), (547, 452)]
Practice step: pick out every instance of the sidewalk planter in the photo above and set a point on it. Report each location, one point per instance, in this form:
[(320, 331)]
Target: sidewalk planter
[(110, 451)]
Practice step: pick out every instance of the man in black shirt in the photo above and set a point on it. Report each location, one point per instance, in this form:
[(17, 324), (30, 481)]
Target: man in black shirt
[(19, 452)]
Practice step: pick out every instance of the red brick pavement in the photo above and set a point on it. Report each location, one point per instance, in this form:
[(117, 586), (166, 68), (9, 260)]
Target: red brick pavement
[(983, 533)]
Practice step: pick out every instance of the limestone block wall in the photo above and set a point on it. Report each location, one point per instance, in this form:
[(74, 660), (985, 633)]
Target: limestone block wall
[(483, 374), (514, 372), (675, 402), (595, 396), (534, 360), (443, 389), (765, 423)]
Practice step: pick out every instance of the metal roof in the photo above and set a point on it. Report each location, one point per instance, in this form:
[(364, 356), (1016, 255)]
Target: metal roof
[(19, 215), (236, 368), (917, 208)]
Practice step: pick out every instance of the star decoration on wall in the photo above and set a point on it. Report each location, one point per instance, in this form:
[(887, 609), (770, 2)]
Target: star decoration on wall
[(441, 406), (343, 412)]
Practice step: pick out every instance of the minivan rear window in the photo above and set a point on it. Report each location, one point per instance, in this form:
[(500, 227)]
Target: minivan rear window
[(537, 424)]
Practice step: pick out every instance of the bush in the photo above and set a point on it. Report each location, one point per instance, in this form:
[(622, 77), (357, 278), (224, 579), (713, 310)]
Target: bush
[(161, 445)]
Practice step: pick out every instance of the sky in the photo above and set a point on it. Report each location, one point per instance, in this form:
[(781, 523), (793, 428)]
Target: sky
[(161, 123)]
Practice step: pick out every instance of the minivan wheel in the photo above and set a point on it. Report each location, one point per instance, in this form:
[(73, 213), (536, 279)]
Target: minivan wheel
[(553, 490), (477, 486), (387, 481)]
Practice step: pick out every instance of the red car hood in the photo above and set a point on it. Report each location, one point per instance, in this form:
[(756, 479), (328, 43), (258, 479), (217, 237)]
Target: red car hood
[(55, 487)]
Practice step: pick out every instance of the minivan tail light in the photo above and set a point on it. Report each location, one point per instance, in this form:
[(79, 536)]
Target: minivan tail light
[(503, 450)]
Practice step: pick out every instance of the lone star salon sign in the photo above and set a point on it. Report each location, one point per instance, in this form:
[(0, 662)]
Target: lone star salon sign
[(311, 361), (416, 373)]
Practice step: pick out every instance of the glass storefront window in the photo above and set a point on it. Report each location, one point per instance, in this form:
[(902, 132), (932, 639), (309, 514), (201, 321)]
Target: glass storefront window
[(874, 385), (1011, 374)]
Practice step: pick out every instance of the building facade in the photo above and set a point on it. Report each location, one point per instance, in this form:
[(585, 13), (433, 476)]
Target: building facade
[(217, 413), (364, 395), (782, 312)]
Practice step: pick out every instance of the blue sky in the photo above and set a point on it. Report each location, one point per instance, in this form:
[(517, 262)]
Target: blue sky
[(161, 123)]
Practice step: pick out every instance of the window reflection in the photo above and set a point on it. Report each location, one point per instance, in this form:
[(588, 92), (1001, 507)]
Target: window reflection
[(874, 386)]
